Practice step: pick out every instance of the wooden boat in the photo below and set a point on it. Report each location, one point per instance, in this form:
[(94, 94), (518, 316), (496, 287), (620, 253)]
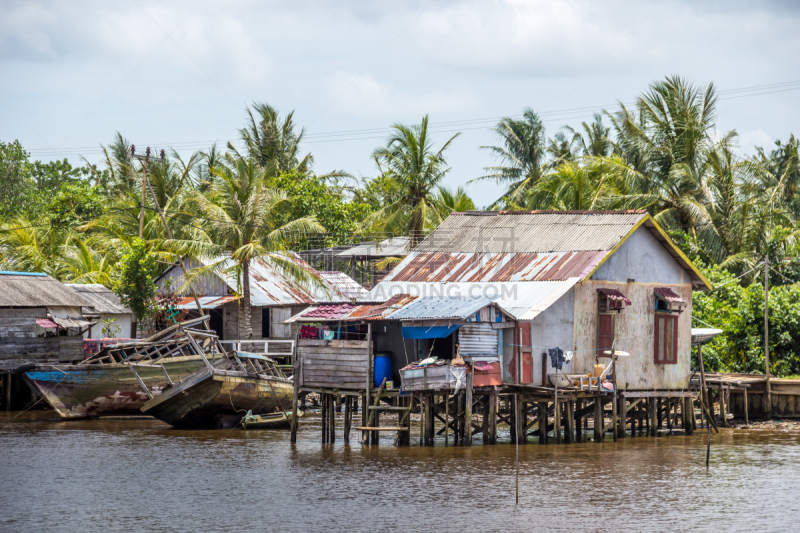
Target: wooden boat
[(103, 385), (216, 395), (280, 420)]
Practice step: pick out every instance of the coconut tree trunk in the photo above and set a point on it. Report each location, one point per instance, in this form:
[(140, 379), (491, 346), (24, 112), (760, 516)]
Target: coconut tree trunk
[(245, 314)]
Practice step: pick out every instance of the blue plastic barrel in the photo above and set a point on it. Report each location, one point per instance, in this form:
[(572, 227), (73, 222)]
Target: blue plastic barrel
[(383, 368)]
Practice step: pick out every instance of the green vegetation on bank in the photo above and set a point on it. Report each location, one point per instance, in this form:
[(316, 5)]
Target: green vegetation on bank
[(728, 212)]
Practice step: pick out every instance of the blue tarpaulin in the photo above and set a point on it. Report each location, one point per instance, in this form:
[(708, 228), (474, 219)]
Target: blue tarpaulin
[(433, 332)]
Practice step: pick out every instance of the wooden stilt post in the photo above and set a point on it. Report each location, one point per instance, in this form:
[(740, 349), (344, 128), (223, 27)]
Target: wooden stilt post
[(323, 400), (746, 410), (598, 419), (722, 407), (422, 400), (446, 419), (614, 418), (653, 416), (578, 418), (348, 414), (569, 431), (332, 424), (557, 420), (468, 411), (622, 416), (429, 419), (493, 418), (688, 416), (295, 393), (485, 421), (542, 422), (660, 413)]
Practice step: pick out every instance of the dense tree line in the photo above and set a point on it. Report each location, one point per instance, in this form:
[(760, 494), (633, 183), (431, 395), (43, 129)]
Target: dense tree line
[(728, 212)]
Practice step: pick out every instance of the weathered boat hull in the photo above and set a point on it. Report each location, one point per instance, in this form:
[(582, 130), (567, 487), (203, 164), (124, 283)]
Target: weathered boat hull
[(217, 399), (77, 391)]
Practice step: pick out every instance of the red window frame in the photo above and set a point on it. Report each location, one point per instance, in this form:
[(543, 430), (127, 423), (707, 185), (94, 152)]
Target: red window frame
[(664, 324)]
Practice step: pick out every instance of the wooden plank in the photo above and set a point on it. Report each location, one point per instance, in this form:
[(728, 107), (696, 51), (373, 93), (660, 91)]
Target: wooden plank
[(326, 350), (333, 357), (313, 376), (16, 321), (32, 312), (333, 364), (333, 343)]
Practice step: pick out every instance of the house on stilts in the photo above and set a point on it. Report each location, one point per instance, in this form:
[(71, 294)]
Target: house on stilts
[(567, 315), (274, 295)]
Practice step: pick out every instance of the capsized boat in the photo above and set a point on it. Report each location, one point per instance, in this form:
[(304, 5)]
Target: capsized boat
[(279, 420), (220, 393), (103, 385)]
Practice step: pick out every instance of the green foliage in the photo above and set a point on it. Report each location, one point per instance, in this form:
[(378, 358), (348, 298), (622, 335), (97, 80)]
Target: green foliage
[(309, 197), (16, 187), (739, 312), (379, 192), (76, 203), (134, 286)]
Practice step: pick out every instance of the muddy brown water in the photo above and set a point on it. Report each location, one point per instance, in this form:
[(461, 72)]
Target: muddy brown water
[(140, 475)]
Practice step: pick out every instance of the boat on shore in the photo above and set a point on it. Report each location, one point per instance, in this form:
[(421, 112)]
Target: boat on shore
[(103, 384), (217, 395), (279, 420)]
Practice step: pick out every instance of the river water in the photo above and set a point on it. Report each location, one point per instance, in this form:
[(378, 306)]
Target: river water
[(132, 475)]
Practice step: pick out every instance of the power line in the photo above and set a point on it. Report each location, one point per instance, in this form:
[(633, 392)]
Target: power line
[(372, 133)]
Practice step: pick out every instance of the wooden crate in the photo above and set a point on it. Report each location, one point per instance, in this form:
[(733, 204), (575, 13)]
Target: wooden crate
[(333, 364), (431, 378), (487, 378)]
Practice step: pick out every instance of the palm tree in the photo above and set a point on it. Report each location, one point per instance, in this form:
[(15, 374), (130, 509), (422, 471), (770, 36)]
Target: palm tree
[(240, 225), (409, 160), (572, 186), (660, 154), (522, 156), (273, 143), (450, 201), (594, 141), (82, 264)]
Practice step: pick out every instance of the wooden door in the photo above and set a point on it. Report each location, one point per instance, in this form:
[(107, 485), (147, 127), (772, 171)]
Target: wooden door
[(605, 333), (279, 316)]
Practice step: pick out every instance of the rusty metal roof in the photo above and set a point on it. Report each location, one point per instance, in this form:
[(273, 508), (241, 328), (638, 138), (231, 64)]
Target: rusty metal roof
[(345, 284), (614, 294), (354, 312), (531, 231), (665, 293), (494, 267), (440, 308), (207, 302), (271, 286)]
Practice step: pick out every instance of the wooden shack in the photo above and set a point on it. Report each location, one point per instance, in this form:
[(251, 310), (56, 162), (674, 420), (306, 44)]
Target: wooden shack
[(274, 299), (40, 322)]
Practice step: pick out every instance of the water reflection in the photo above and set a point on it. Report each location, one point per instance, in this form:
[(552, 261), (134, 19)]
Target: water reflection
[(123, 475)]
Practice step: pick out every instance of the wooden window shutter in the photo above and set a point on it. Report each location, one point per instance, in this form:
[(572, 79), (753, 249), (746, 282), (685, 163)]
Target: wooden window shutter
[(605, 333), (665, 339)]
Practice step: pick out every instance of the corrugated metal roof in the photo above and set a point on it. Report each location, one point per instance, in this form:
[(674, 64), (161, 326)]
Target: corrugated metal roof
[(531, 232), (494, 267), (376, 310), (440, 308), (271, 287), (392, 247), (523, 301), (345, 284), (207, 302), (669, 295), (23, 290), (103, 300), (614, 294)]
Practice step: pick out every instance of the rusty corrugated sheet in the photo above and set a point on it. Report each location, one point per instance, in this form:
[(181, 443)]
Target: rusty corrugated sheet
[(669, 295), (434, 267)]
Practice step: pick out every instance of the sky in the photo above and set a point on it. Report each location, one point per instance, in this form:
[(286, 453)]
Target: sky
[(182, 74)]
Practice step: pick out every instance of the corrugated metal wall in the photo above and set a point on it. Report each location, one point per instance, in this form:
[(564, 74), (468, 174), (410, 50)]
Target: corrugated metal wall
[(478, 339)]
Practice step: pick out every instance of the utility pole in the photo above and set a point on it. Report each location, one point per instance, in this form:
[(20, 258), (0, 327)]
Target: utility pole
[(144, 159), (768, 411)]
